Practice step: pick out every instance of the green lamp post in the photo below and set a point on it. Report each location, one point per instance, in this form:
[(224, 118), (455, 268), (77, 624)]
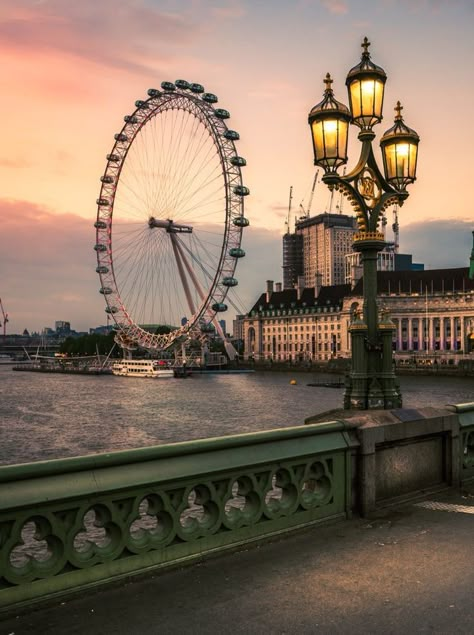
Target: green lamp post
[(372, 382)]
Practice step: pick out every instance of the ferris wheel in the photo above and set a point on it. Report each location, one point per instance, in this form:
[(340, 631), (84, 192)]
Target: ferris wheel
[(170, 217)]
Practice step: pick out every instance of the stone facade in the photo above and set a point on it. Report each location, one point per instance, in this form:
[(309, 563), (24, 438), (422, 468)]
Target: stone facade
[(433, 312)]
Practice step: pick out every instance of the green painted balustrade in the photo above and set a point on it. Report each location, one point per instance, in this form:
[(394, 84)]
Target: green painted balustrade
[(71, 524)]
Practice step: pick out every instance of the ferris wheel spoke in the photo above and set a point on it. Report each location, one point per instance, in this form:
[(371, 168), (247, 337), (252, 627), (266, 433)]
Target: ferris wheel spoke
[(204, 178)]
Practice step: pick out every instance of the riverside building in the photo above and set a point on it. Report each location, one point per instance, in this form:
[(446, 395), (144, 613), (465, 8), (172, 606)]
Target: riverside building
[(433, 312)]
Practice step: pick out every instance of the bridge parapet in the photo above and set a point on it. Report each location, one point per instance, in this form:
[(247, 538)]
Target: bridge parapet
[(74, 523)]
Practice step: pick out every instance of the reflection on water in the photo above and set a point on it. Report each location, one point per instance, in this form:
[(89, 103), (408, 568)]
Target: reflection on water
[(47, 416)]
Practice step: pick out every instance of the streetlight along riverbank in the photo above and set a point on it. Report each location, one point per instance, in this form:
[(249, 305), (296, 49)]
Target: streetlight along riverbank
[(371, 382)]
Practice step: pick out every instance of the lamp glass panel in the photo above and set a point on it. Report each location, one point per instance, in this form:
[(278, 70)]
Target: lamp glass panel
[(318, 140), (413, 159), (367, 90), (400, 162), (390, 161), (330, 128), (355, 98), (402, 152), (378, 98), (366, 98), (342, 139)]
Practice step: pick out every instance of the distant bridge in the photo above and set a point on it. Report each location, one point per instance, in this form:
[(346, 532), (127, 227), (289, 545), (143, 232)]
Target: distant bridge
[(20, 346)]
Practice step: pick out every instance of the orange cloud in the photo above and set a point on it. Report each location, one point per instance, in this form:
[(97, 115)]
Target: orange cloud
[(14, 163)]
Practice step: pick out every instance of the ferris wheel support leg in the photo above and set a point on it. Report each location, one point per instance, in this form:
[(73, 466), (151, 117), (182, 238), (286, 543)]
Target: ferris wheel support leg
[(189, 269), (182, 274), (230, 350)]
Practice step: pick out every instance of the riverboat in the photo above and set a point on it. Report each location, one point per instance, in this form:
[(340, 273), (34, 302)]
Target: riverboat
[(141, 368)]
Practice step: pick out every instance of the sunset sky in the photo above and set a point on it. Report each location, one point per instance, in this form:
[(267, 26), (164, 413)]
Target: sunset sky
[(72, 70)]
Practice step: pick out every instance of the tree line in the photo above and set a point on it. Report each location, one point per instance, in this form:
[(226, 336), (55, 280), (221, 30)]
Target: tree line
[(91, 345)]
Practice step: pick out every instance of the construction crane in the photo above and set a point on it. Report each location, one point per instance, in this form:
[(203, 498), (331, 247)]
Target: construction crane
[(287, 222), (307, 211), (396, 229), (5, 319)]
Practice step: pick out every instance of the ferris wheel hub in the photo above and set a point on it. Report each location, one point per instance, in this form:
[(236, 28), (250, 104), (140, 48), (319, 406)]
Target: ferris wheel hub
[(170, 226)]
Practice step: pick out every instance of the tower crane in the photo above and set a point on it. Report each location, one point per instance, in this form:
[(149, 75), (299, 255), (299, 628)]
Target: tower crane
[(396, 229), (287, 222), (307, 211), (5, 318)]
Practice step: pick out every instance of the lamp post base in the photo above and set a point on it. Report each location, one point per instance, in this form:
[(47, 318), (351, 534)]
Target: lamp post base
[(372, 393), (371, 383)]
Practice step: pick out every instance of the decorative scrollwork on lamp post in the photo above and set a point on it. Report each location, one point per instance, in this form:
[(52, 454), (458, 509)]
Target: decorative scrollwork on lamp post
[(372, 382)]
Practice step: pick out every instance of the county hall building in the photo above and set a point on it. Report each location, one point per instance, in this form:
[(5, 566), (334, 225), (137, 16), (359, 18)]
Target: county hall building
[(433, 312)]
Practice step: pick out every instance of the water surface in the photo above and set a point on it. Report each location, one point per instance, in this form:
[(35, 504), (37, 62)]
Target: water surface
[(44, 416)]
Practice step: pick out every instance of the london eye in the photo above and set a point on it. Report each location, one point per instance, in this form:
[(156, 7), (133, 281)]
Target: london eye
[(170, 216)]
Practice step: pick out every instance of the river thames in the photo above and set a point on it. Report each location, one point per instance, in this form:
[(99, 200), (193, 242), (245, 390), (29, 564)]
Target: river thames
[(45, 416)]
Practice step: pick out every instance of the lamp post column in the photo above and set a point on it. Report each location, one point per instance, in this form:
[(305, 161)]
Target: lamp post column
[(369, 250)]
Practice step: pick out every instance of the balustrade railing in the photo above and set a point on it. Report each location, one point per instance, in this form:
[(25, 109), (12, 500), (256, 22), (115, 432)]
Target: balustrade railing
[(74, 523)]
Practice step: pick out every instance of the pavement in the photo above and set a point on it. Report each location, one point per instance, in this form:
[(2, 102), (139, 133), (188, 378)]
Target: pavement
[(409, 569)]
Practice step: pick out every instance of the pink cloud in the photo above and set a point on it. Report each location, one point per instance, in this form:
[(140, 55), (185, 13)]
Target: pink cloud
[(48, 267), (233, 10), (33, 235), (125, 36), (339, 7)]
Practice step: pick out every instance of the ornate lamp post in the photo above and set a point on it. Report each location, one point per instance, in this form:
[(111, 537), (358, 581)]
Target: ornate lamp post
[(372, 382)]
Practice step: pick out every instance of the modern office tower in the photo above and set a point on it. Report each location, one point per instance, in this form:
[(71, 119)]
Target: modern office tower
[(327, 238)]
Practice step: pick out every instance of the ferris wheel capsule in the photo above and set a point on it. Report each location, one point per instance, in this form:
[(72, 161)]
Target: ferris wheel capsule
[(182, 84), (241, 190), (221, 113), (232, 135), (240, 161), (241, 221), (210, 98)]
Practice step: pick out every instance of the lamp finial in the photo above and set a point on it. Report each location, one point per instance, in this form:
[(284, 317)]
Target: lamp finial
[(328, 81), (365, 45), (398, 109)]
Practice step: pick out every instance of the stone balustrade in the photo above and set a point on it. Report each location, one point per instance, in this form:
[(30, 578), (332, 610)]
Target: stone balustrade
[(74, 523)]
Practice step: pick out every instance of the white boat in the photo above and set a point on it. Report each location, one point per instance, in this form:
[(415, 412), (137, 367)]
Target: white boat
[(141, 368)]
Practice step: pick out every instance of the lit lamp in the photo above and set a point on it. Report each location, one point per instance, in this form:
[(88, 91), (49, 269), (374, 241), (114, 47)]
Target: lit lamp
[(365, 85), (329, 121), (372, 382), (400, 150)]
